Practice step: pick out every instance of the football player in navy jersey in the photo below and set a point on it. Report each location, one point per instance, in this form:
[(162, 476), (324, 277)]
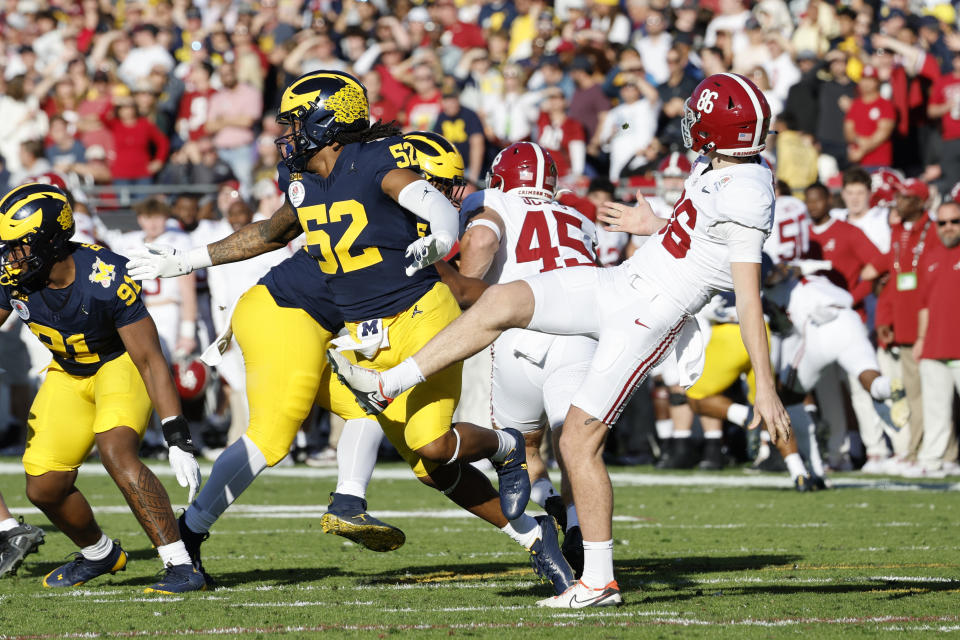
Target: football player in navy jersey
[(286, 373), (107, 368), (354, 190)]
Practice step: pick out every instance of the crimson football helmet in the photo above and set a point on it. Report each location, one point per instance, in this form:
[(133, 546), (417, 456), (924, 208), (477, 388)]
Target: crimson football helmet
[(191, 377), (726, 114), (885, 184), (524, 168)]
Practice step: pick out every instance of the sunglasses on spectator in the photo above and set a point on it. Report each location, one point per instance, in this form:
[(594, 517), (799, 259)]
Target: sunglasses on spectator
[(943, 223)]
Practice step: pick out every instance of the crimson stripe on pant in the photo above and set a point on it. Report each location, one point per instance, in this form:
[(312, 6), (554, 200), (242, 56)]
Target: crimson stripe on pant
[(641, 371)]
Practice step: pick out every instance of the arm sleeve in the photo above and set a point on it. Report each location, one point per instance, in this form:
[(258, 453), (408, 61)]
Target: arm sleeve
[(745, 244), (471, 206), (424, 201)]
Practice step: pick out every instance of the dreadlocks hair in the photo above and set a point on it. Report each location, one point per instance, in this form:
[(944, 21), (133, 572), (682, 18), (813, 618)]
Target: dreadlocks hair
[(378, 130)]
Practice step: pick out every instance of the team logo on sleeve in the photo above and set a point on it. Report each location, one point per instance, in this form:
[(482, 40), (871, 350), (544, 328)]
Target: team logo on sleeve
[(296, 193), (103, 273), (21, 309)]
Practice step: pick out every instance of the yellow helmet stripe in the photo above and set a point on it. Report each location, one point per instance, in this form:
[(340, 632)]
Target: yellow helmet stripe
[(291, 100), (14, 191), (16, 206)]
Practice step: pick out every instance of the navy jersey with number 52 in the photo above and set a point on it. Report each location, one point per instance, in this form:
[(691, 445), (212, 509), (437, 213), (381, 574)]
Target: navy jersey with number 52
[(79, 323), (357, 233)]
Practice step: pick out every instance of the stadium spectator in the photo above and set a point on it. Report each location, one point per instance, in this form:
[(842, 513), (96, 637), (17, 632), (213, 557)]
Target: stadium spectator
[(654, 46), (140, 149), (462, 127), (312, 53), (869, 124), (63, 149), (33, 162), (195, 104), (912, 236), (511, 120), (937, 347), (233, 111), (858, 212), (945, 106), (561, 135), (423, 107), (145, 54), (588, 103), (21, 119), (834, 97), (628, 128), (673, 93)]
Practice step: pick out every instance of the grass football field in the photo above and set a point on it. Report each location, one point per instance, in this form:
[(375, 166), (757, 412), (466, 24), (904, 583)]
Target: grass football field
[(722, 555)]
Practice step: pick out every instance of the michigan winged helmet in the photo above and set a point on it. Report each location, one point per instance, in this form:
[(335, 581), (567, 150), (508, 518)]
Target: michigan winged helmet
[(317, 107), (36, 224), (440, 162)]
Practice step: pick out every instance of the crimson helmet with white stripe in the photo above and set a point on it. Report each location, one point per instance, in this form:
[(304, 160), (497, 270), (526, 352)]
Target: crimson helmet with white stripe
[(885, 184), (674, 165), (524, 168), (726, 114)]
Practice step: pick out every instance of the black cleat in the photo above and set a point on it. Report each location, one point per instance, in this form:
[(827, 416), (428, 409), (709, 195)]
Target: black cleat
[(180, 578), (713, 458), (554, 506), (347, 516), (804, 484), (680, 456), (573, 550), (16, 544), (514, 479), (192, 541), (546, 558)]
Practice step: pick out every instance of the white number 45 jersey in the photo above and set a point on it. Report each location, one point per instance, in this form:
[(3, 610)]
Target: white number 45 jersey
[(540, 235), (690, 258)]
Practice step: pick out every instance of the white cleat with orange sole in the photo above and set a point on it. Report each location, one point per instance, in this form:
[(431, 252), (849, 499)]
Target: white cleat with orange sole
[(580, 595)]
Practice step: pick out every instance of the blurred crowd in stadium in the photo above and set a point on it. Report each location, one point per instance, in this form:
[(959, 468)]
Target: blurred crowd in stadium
[(865, 98)]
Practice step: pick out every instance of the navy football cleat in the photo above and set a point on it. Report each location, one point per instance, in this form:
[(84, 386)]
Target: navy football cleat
[(573, 550), (347, 516), (16, 544), (363, 383), (192, 541), (179, 578), (546, 558), (514, 479), (80, 570), (554, 506)]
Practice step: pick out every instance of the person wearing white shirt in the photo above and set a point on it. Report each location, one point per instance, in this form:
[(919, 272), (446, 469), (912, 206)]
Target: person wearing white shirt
[(629, 127)]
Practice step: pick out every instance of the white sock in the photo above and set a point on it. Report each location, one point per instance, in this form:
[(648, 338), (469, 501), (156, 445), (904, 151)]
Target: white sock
[(795, 466), (713, 435), (664, 428), (506, 443), (357, 455), (880, 388), (235, 469), (525, 530), (174, 553), (398, 379), (98, 550), (541, 490), (572, 519), (597, 564), (9, 523), (737, 414), (682, 435)]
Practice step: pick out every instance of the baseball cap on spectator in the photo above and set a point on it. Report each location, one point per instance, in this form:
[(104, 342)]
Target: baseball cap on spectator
[(684, 38), (688, 5), (101, 76), (944, 12), (869, 71), (418, 14), (608, 3), (576, 5), (565, 46), (893, 13), (916, 188), (143, 26), (929, 22), (193, 13), (581, 63), (246, 8), (549, 61), (806, 54), (752, 24), (28, 6)]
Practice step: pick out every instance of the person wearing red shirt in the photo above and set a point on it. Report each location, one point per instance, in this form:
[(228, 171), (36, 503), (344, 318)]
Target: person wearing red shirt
[(140, 149), (381, 108), (855, 259), (563, 137), (869, 124), (911, 238), (462, 35), (945, 106), (195, 104), (938, 345), (423, 107)]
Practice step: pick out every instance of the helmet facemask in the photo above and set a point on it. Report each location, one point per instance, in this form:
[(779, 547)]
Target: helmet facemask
[(24, 265), (297, 147)]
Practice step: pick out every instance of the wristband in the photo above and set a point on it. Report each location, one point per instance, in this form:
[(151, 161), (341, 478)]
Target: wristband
[(176, 432), (199, 258), (188, 329)]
